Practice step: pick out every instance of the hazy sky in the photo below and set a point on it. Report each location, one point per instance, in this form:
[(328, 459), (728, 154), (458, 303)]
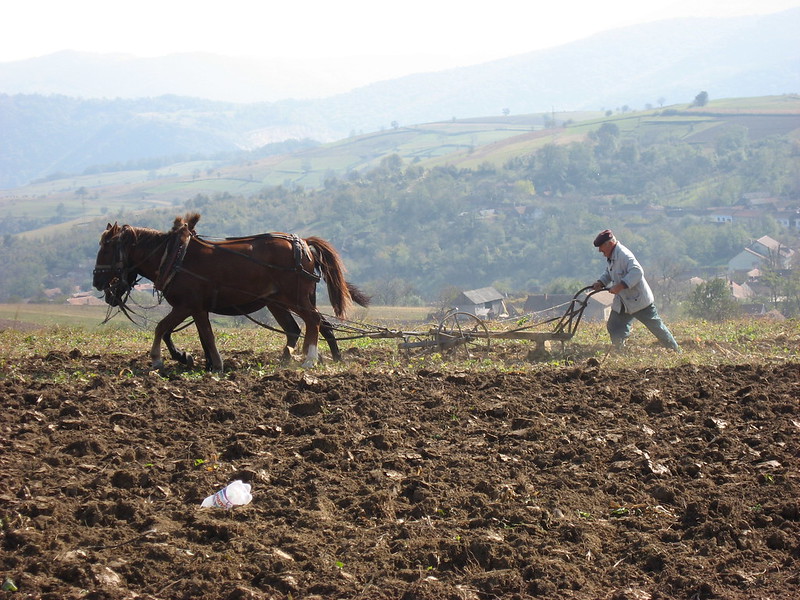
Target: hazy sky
[(458, 31)]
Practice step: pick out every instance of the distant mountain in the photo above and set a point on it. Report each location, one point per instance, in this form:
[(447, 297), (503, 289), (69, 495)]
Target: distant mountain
[(671, 60), (197, 75), (663, 62)]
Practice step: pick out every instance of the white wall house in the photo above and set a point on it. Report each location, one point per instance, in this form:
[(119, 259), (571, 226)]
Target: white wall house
[(485, 303), (762, 252)]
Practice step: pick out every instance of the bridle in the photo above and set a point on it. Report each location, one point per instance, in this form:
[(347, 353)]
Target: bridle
[(121, 276), (116, 273)]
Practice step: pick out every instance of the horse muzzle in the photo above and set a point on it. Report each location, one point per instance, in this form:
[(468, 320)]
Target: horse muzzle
[(111, 297), (102, 277), (114, 288)]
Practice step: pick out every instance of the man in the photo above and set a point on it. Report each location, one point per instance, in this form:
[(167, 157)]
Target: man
[(633, 298)]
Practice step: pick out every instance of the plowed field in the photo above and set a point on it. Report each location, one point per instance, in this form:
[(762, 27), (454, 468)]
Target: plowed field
[(582, 481)]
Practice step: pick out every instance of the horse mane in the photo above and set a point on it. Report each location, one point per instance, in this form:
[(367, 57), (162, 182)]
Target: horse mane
[(144, 237)]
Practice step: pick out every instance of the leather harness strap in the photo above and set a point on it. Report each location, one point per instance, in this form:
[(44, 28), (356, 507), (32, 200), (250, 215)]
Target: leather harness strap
[(174, 254)]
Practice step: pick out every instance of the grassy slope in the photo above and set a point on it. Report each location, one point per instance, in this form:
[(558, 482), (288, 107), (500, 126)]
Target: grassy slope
[(462, 143)]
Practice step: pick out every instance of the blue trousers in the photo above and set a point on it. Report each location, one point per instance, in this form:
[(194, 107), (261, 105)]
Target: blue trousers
[(619, 327)]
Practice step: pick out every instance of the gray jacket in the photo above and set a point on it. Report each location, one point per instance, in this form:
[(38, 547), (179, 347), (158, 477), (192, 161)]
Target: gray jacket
[(623, 267)]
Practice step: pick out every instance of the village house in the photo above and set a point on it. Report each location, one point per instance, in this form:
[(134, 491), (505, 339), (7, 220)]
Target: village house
[(763, 252), (85, 299), (484, 303), (741, 292), (788, 218)]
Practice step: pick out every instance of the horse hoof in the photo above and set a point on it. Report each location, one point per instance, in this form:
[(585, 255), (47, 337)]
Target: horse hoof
[(309, 363), (188, 360)]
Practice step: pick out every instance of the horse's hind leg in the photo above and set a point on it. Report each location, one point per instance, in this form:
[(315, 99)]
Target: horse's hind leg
[(206, 352), (326, 329), (164, 328), (312, 319), (206, 333), (290, 327)]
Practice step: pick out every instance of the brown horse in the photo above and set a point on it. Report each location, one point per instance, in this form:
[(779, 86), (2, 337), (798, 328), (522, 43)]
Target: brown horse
[(232, 277)]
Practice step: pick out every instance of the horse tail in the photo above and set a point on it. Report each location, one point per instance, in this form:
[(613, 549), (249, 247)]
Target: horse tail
[(332, 269), (358, 296)]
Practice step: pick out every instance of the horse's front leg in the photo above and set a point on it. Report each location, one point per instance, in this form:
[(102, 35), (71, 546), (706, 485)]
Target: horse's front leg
[(181, 356), (206, 334), (164, 328)]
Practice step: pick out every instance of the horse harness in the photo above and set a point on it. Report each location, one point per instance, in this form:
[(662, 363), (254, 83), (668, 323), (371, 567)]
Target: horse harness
[(174, 254)]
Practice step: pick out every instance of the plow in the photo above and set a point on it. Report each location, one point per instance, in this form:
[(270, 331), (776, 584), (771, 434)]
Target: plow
[(461, 334)]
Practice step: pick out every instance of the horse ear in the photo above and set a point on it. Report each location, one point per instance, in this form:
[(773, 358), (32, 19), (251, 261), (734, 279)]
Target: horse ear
[(192, 220), (176, 224)]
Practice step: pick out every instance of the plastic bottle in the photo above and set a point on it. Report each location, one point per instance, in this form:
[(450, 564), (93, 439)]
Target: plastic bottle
[(235, 493)]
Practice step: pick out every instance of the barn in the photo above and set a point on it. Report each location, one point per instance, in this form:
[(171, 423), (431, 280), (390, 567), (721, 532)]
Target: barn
[(484, 303)]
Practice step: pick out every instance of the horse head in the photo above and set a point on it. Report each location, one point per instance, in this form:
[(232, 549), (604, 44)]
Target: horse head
[(113, 274)]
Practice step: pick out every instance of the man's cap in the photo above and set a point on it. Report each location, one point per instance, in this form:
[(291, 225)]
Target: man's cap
[(603, 237)]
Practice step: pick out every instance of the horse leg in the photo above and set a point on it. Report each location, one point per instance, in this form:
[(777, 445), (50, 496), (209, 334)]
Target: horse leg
[(290, 327), (206, 352), (206, 334), (181, 356), (163, 329), (326, 329), (312, 319)]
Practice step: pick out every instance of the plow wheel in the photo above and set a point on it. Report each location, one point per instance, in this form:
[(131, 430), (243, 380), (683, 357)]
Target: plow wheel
[(462, 335)]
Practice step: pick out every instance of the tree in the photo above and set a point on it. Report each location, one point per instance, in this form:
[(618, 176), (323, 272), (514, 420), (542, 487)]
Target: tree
[(607, 137), (701, 99), (563, 285), (714, 301)]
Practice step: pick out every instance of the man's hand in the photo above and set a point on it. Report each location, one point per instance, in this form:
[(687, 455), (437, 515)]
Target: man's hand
[(597, 285), (617, 288)]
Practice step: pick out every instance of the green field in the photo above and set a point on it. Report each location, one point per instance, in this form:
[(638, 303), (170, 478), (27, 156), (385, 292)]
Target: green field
[(30, 316), (27, 329)]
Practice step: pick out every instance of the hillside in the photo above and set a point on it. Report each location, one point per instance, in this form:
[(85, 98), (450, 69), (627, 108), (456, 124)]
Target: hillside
[(652, 64), (411, 222), (466, 143)]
